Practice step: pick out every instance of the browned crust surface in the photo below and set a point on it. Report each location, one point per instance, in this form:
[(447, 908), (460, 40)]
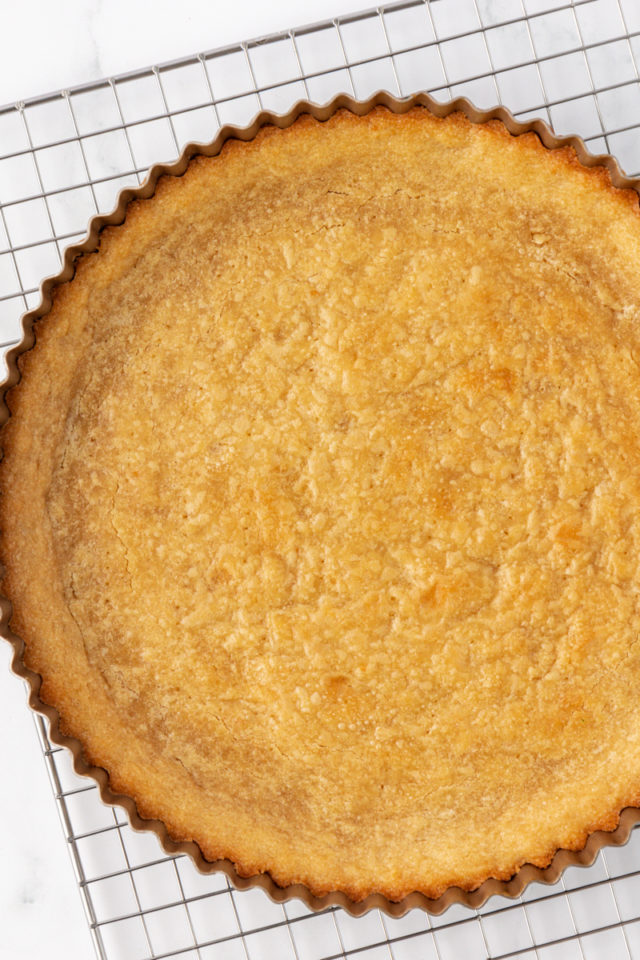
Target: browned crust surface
[(320, 498)]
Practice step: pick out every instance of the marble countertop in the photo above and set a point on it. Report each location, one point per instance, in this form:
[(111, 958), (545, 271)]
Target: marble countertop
[(50, 45), (47, 45), (39, 901)]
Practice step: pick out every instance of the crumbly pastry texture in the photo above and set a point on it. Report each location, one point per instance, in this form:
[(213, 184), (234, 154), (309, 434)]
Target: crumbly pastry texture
[(321, 503)]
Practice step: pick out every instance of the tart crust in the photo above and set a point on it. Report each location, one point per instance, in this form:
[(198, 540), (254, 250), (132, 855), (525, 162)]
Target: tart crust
[(320, 504)]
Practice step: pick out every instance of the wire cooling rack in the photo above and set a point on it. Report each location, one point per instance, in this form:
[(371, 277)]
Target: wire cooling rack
[(64, 157)]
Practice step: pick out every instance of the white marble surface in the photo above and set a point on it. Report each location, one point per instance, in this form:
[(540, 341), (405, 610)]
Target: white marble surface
[(40, 907), (46, 45), (54, 44)]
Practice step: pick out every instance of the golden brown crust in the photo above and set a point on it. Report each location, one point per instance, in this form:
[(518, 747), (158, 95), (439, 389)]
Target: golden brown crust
[(337, 504)]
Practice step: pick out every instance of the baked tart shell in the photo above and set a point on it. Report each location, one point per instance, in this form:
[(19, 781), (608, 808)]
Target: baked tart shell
[(612, 830)]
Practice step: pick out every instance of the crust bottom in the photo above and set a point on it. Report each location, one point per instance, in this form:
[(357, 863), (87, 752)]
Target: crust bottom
[(312, 383)]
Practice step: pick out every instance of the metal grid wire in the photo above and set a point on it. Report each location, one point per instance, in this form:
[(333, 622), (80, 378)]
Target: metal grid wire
[(64, 157)]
